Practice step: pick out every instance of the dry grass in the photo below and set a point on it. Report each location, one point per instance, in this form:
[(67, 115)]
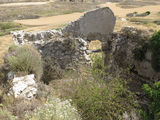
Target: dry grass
[(30, 12), (26, 59), (5, 42)]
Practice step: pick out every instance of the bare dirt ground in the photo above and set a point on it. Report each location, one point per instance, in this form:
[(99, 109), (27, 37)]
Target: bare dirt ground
[(5, 42), (53, 22)]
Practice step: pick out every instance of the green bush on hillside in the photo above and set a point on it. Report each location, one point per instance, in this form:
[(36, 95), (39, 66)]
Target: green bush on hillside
[(153, 93), (101, 101), (155, 46), (26, 59), (98, 67), (95, 97), (148, 12)]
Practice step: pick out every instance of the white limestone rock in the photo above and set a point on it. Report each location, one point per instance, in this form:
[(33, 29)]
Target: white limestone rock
[(24, 87)]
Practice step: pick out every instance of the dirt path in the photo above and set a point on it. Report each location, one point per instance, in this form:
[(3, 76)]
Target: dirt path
[(23, 4), (52, 22)]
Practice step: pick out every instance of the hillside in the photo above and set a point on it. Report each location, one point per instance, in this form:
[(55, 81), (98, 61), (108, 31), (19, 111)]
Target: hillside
[(90, 60)]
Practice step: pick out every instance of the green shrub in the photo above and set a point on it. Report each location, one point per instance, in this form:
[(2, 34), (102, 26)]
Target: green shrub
[(155, 46), (153, 93), (98, 67), (139, 52), (148, 12), (95, 98), (26, 59), (101, 101), (6, 27), (51, 71)]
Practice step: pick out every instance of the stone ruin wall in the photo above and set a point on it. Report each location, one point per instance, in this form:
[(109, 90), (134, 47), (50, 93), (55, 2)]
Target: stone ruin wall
[(53, 44), (70, 44)]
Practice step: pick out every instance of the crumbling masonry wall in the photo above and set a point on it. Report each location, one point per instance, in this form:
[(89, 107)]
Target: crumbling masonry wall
[(69, 45)]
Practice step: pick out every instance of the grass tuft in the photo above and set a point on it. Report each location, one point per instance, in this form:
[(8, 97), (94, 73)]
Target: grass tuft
[(26, 59), (7, 27)]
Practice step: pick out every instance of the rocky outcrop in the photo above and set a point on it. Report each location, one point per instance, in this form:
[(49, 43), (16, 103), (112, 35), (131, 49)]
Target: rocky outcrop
[(24, 87), (129, 48)]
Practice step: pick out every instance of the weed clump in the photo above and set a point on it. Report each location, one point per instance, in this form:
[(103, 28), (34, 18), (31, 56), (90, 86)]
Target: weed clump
[(153, 93), (98, 67), (25, 59), (51, 71), (97, 98)]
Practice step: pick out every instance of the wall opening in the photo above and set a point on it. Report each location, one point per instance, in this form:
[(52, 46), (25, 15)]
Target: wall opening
[(95, 48)]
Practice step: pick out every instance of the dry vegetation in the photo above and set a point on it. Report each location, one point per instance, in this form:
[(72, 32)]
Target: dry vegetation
[(84, 86), (51, 9)]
